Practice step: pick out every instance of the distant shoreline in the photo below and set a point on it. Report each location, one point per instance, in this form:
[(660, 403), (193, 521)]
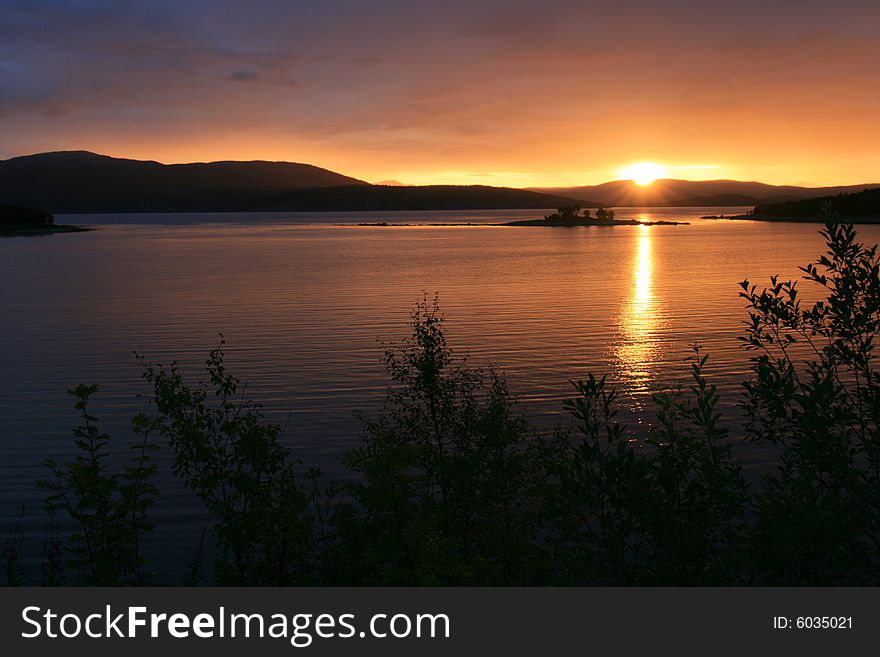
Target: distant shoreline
[(790, 220), (24, 231), (543, 223)]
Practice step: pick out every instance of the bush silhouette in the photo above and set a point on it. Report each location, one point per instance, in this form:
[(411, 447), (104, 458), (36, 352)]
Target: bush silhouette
[(450, 477), (815, 394), (233, 460), (109, 510)]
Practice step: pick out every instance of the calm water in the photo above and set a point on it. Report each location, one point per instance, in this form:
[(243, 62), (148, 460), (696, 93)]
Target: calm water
[(303, 300)]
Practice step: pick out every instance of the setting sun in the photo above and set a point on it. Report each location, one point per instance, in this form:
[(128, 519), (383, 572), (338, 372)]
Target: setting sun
[(643, 173)]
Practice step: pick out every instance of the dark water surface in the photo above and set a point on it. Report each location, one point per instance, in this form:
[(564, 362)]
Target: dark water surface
[(303, 300)]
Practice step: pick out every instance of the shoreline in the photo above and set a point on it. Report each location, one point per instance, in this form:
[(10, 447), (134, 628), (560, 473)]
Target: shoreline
[(790, 220), (533, 222), (26, 231)]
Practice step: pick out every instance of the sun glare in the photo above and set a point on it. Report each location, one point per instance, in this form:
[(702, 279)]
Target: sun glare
[(643, 173)]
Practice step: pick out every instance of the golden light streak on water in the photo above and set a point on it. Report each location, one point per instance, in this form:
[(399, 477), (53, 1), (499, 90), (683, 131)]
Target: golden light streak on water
[(640, 318)]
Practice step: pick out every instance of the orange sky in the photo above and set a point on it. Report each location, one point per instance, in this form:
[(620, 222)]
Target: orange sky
[(512, 93)]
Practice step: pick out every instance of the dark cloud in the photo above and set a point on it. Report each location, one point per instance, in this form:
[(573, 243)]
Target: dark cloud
[(242, 75)]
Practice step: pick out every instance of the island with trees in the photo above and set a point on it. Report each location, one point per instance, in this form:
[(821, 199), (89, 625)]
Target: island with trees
[(570, 216)]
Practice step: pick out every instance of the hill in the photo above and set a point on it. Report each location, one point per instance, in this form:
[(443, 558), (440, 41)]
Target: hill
[(80, 181), (83, 182), (694, 193), (861, 206)]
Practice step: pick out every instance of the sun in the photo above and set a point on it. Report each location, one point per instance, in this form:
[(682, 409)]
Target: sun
[(643, 173)]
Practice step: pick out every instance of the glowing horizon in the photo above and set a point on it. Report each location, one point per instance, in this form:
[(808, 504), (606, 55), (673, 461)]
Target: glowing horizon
[(644, 173), (698, 172)]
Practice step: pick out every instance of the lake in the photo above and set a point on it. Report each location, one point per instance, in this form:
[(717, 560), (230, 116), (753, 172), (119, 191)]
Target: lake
[(305, 301)]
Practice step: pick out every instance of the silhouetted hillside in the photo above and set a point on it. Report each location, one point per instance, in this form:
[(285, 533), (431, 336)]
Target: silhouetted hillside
[(79, 181), (862, 206), (694, 193)]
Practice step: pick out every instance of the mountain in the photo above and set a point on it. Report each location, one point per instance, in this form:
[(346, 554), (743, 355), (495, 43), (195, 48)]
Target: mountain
[(668, 192), (861, 206), (391, 183), (80, 181)]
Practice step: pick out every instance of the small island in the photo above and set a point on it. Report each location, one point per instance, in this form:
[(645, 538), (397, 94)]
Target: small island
[(16, 220), (570, 216)]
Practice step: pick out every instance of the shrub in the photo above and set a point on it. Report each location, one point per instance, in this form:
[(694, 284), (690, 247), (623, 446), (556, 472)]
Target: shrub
[(815, 396), (663, 508), (233, 460), (109, 510), (449, 477)]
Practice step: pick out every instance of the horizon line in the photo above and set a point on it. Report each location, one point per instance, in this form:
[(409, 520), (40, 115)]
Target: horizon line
[(548, 188)]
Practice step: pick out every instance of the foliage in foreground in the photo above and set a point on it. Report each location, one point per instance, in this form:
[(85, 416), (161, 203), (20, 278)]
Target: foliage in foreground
[(818, 517), (109, 510), (240, 471), (453, 487)]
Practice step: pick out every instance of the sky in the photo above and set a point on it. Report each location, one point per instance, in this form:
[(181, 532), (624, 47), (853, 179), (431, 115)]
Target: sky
[(517, 93)]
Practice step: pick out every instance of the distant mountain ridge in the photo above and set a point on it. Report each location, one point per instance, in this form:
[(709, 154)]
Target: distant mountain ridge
[(80, 181), (694, 193), (84, 182)]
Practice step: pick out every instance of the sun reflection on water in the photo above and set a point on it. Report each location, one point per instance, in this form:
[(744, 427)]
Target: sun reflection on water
[(637, 349)]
